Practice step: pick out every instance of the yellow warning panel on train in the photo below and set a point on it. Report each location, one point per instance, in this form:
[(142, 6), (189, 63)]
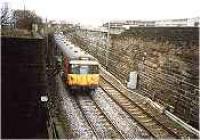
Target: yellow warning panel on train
[(83, 80)]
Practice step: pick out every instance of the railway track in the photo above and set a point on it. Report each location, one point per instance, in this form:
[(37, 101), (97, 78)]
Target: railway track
[(76, 126), (96, 118), (148, 122), (122, 120)]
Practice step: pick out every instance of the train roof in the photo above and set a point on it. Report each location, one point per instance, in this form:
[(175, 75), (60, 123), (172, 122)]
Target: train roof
[(70, 50)]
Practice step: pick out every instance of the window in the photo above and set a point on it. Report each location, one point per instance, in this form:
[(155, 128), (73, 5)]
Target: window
[(75, 69), (84, 69)]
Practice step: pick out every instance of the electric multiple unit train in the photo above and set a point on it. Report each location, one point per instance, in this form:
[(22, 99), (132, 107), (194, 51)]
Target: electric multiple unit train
[(80, 70)]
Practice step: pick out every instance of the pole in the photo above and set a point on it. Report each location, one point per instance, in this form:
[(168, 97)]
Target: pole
[(47, 41), (108, 43), (24, 8)]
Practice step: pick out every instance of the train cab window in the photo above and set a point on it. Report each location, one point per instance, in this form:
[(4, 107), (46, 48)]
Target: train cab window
[(75, 69), (84, 69)]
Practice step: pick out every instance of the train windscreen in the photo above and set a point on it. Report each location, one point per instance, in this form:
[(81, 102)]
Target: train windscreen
[(84, 69)]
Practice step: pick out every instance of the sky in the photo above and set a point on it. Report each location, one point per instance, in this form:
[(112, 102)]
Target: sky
[(96, 12)]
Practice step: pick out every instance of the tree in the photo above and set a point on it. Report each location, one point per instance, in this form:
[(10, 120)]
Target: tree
[(25, 18), (5, 14)]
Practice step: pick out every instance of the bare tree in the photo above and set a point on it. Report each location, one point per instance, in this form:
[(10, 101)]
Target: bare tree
[(5, 14), (21, 19)]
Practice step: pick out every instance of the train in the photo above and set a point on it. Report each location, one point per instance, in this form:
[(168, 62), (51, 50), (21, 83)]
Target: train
[(80, 70)]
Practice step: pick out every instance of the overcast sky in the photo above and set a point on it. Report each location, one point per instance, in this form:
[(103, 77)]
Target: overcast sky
[(98, 11)]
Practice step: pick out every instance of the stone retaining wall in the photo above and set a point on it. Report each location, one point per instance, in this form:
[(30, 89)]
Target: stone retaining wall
[(166, 59)]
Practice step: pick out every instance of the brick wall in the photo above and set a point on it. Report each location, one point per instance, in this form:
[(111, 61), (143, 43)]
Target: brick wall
[(167, 61)]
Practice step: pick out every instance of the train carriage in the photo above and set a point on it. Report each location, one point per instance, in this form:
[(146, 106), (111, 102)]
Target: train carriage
[(80, 69)]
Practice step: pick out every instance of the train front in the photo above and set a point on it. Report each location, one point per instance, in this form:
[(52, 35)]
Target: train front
[(83, 74)]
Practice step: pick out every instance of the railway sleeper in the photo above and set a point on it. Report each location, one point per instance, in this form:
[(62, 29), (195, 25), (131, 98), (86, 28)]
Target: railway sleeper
[(161, 133), (136, 114), (131, 106), (154, 128), (98, 113), (120, 98), (101, 116), (115, 93), (127, 104), (149, 123), (135, 110), (143, 117)]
